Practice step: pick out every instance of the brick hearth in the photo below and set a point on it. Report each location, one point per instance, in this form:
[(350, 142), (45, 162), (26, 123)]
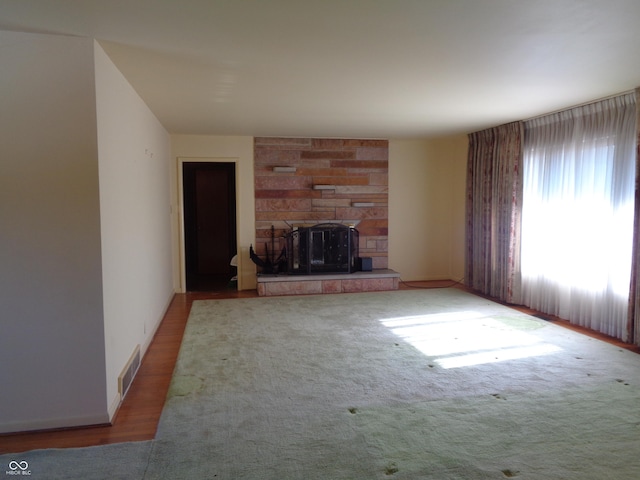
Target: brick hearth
[(375, 281), (306, 181)]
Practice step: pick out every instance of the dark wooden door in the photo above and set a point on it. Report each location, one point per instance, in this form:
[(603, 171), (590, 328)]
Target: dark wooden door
[(209, 224)]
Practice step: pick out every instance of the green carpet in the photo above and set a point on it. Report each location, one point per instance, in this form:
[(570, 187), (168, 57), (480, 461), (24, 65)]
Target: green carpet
[(429, 384)]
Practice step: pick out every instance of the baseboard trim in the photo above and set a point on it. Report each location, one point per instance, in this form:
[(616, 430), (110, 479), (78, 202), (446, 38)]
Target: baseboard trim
[(57, 424)]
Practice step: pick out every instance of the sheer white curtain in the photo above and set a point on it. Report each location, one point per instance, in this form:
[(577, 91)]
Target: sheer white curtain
[(578, 213)]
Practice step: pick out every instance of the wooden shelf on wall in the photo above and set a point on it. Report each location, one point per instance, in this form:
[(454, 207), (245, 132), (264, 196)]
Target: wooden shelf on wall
[(284, 169)]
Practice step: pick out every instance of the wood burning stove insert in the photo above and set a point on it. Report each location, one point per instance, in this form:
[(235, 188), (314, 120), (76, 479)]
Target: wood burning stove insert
[(322, 248)]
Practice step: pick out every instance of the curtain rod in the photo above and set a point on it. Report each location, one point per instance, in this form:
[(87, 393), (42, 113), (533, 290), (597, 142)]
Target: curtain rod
[(580, 105)]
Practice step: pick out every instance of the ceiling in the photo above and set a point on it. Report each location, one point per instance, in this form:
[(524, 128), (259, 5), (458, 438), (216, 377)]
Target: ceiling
[(353, 68)]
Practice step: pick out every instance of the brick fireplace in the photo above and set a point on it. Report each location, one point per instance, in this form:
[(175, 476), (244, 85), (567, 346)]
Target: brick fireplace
[(307, 181)]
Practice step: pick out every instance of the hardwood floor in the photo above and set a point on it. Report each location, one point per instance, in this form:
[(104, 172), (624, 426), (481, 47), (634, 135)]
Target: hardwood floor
[(138, 416)]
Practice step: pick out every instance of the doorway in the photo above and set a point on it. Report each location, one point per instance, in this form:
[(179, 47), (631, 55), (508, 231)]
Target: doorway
[(209, 190)]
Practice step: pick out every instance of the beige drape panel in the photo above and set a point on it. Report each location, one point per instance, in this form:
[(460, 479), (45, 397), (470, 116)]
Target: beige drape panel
[(494, 206), (634, 297)]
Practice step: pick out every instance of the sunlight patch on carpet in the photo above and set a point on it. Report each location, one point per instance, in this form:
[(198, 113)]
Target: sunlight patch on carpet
[(467, 338)]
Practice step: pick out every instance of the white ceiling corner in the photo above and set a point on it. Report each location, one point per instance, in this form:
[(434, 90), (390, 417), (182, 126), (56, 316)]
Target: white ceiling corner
[(347, 68)]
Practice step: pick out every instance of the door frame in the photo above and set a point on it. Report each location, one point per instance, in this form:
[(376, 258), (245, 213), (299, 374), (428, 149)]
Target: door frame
[(181, 246)]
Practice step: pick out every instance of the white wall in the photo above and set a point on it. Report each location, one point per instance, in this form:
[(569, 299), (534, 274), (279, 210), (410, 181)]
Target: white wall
[(427, 207), (52, 356), (238, 149), (134, 155)]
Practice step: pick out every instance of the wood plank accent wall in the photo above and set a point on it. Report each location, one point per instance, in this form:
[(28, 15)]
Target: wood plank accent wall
[(359, 170)]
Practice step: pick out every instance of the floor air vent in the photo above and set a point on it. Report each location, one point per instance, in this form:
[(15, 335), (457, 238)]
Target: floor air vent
[(126, 377)]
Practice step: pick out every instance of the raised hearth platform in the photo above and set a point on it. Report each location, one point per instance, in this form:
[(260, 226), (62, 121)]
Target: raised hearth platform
[(374, 281)]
